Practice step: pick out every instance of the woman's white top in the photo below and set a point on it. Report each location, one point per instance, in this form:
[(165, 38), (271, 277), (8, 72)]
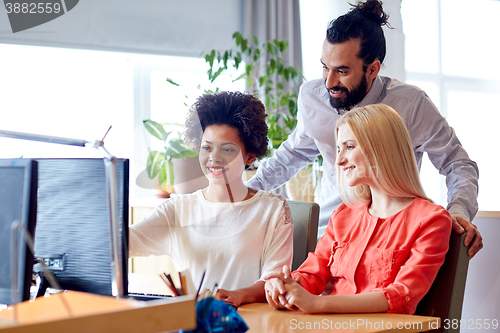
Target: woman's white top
[(236, 243)]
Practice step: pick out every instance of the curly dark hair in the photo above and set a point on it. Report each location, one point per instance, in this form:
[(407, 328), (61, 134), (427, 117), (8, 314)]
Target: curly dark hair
[(364, 22), (242, 111)]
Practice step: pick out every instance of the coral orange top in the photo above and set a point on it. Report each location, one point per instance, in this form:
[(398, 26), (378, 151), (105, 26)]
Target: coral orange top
[(398, 256)]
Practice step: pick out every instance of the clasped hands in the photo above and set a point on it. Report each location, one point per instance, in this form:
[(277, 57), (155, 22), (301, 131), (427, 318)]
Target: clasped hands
[(284, 292)]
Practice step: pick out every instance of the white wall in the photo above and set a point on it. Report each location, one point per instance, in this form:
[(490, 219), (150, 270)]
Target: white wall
[(482, 290)]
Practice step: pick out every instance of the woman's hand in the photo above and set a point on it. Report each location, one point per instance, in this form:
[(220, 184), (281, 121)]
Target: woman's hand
[(230, 296), (297, 297), (275, 286), (273, 295)]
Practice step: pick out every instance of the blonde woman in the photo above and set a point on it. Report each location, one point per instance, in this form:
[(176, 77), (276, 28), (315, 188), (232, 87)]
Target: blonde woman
[(385, 244)]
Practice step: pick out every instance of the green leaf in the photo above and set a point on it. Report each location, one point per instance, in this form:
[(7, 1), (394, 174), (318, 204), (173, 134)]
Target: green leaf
[(255, 40), (283, 101), (154, 163), (283, 46), (211, 58), (271, 48), (256, 55), (293, 72), (238, 37), (262, 80), (219, 71), (249, 69), (169, 80), (242, 76), (224, 58), (166, 176), (272, 64), (286, 73), (237, 60), (177, 149), (156, 129)]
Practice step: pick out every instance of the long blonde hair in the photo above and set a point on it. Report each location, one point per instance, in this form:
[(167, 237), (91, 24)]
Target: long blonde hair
[(386, 145)]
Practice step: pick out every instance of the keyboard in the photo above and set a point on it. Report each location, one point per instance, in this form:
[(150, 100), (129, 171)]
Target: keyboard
[(147, 297)]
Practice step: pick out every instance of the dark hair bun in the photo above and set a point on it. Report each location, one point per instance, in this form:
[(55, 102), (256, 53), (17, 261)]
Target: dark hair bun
[(372, 9)]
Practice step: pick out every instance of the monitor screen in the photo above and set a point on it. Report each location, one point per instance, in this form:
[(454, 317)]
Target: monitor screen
[(73, 234), (18, 181)]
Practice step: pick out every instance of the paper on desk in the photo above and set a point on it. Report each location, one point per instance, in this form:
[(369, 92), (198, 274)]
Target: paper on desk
[(151, 284), (147, 284)]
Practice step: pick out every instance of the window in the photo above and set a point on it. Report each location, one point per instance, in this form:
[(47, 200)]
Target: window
[(68, 93), (80, 93), (453, 58)]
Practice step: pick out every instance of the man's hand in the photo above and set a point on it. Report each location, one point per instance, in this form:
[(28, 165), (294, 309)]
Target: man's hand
[(473, 236)]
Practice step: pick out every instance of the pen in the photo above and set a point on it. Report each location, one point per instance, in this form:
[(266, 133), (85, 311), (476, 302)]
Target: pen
[(214, 290), (171, 287), (182, 279), (201, 283), (179, 291)]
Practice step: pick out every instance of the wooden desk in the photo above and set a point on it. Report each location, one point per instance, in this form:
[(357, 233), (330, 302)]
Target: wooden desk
[(261, 318), (93, 313)]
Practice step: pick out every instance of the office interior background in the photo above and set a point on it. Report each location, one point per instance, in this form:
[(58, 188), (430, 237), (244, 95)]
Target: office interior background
[(113, 72)]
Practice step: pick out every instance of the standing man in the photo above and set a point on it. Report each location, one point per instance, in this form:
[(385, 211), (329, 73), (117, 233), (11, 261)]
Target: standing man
[(353, 52)]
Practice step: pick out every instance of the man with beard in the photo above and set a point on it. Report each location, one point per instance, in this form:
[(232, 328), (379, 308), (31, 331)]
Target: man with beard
[(353, 52)]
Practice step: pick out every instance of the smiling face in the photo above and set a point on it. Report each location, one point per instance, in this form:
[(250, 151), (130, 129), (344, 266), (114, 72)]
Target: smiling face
[(346, 81), (222, 155), (351, 159)]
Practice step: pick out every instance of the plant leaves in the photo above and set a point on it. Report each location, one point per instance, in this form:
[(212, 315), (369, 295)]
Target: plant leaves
[(166, 176), (238, 37), (154, 163), (169, 80), (219, 71), (156, 129), (177, 149)]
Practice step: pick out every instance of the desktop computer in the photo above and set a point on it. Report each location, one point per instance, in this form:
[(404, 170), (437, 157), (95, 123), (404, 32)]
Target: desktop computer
[(18, 185), (73, 235)]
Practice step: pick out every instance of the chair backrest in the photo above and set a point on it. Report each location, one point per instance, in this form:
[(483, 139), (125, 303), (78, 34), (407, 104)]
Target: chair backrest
[(305, 217), (446, 294)]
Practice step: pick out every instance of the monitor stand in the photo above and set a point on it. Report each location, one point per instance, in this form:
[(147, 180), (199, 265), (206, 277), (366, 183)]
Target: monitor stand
[(42, 283)]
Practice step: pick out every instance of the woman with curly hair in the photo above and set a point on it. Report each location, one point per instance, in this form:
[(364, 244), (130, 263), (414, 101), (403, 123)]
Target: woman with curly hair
[(233, 232)]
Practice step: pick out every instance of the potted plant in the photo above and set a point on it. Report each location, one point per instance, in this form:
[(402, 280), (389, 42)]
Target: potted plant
[(266, 75), (160, 163), (276, 83)]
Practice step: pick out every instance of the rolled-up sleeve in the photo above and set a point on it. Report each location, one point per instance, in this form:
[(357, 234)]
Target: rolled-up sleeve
[(416, 276), (314, 273)]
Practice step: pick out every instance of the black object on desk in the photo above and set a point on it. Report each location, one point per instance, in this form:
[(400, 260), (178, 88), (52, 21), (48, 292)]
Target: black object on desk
[(73, 235), (18, 183)]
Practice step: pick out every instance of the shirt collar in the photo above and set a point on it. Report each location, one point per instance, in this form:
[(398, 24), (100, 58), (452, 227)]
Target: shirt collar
[(374, 92)]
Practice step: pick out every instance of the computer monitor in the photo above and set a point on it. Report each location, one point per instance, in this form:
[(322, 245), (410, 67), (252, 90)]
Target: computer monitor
[(73, 234), (18, 182)]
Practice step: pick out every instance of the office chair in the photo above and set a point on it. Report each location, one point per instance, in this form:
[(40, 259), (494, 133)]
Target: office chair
[(446, 294), (305, 217)]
